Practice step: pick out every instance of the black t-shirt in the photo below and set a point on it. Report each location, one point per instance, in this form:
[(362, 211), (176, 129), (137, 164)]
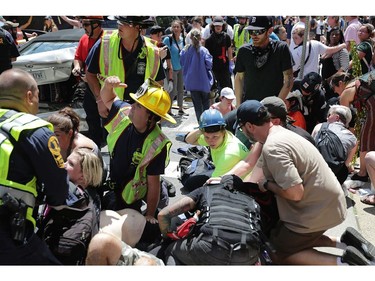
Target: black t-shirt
[(129, 142), (217, 44), (314, 109), (267, 80)]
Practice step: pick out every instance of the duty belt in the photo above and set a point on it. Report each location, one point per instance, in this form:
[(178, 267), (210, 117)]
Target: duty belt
[(28, 198)]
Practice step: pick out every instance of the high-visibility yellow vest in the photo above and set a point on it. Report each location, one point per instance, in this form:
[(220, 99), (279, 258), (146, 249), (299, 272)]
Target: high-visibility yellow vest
[(239, 39), (153, 144), (12, 124), (110, 64)]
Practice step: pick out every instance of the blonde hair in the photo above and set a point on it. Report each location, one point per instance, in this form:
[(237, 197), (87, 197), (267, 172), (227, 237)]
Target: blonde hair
[(91, 165)]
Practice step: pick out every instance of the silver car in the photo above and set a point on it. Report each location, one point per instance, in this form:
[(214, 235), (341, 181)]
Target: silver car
[(49, 58)]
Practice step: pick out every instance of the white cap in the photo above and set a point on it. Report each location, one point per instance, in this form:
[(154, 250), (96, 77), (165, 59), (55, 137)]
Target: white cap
[(296, 94), (227, 93)]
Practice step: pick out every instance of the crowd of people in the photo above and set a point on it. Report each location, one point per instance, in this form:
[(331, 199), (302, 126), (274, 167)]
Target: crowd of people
[(277, 92)]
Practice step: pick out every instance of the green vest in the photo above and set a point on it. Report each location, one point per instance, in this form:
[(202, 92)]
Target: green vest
[(110, 64), (12, 124), (154, 143), (239, 39)]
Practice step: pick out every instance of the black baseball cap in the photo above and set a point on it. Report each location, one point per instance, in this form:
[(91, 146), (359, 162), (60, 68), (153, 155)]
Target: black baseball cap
[(259, 22), (156, 29), (251, 111)]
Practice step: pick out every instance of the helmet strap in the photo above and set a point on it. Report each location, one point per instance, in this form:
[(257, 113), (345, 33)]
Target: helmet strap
[(92, 28)]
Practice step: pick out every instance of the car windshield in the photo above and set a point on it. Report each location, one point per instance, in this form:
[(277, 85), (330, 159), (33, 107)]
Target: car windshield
[(39, 47)]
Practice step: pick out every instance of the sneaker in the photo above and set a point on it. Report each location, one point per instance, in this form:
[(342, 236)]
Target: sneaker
[(170, 187), (352, 237), (357, 177), (181, 112), (352, 256)]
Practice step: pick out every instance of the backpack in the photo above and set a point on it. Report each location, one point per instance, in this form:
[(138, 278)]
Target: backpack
[(68, 229), (331, 148), (233, 217), (196, 161)]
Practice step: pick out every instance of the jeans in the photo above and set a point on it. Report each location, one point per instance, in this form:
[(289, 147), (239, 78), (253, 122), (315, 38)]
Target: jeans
[(201, 102)]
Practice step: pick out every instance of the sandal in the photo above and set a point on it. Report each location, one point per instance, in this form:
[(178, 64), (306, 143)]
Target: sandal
[(357, 177), (369, 199)]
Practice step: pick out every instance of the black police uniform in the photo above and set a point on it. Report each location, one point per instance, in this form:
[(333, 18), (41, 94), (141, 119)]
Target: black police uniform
[(34, 155)]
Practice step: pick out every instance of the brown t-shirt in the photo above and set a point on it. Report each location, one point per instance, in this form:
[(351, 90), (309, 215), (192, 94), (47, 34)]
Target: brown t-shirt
[(289, 159)]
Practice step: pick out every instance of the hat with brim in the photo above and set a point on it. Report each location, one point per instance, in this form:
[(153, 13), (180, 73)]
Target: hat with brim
[(165, 116), (259, 22), (227, 93), (12, 24), (296, 94), (156, 29), (250, 111), (275, 106), (135, 20), (218, 21)]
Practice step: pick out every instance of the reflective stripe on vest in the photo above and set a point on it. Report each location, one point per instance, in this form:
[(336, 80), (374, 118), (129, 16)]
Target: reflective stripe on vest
[(28, 198), (12, 124), (152, 146), (116, 127), (110, 64), (154, 143)]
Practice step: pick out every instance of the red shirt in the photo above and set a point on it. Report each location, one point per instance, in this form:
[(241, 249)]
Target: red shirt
[(299, 118), (84, 46)]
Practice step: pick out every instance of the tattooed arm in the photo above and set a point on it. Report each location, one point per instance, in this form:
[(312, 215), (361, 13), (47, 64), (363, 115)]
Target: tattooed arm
[(165, 215), (288, 83)]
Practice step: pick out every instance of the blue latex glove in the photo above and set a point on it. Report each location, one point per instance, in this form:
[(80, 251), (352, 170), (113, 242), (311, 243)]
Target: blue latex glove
[(231, 67)]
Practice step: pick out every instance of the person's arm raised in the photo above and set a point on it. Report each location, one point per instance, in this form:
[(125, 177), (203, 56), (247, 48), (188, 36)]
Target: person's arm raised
[(107, 93)]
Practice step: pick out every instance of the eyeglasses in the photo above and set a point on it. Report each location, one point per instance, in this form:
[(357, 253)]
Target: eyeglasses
[(240, 127), (257, 32)]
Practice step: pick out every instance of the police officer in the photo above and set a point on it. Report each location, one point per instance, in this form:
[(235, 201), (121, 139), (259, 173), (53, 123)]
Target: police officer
[(31, 166), (139, 150), (8, 50), (127, 54)]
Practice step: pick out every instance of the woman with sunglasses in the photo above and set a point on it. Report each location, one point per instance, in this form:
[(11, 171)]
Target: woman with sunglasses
[(226, 149)]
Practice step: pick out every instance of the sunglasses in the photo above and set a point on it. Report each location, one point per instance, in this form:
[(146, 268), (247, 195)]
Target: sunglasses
[(257, 32)]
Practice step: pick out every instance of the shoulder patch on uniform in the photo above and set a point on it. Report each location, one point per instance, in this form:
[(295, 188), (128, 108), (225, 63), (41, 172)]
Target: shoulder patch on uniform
[(54, 148)]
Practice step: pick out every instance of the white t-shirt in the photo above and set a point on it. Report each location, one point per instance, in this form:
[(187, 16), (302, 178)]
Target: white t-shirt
[(312, 64)]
